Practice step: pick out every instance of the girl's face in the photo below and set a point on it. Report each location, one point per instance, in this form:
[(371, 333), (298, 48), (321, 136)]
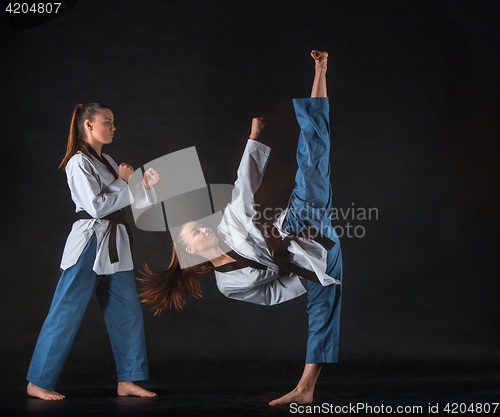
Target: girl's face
[(102, 129), (198, 238)]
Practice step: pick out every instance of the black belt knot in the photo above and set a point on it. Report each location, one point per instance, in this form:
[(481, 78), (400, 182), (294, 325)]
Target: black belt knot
[(282, 255), (115, 218)]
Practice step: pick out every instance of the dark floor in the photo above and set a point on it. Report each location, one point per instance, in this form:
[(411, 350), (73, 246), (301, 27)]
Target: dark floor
[(234, 398)]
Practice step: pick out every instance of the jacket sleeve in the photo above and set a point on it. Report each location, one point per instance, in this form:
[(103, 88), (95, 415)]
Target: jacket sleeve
[(86, 189), (272, 292), (141, 197), (250, 174)]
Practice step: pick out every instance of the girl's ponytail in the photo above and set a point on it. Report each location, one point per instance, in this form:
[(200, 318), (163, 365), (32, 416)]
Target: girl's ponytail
[(76, 138)]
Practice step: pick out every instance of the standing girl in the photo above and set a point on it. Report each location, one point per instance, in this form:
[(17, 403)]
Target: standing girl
[(97, 258)]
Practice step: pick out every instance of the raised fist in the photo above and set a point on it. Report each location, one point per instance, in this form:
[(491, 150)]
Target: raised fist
[(258, 124)]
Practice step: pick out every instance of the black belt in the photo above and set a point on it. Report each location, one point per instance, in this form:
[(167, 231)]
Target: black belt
[(282, 255), (115, 218), (311, 232)]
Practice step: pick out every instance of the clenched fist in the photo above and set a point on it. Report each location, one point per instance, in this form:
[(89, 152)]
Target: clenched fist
[(258, 124), (151, 177), (125, 171)]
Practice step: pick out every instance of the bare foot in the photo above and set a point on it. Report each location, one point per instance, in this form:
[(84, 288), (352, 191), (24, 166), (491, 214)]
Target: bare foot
[(129, 388), (321, 58), (43, 394), (302, 397)]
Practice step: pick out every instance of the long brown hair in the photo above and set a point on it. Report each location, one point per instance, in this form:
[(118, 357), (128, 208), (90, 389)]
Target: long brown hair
[(77, 138), (171, 288)]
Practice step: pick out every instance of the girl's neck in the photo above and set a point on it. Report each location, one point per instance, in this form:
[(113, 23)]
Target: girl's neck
[(96, 147), (222, 259)]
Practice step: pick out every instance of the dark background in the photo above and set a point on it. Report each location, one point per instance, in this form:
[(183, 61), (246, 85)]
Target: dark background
[(414, 109)]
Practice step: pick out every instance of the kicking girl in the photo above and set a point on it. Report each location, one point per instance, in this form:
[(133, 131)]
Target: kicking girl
[(97, 258), (249, 267)]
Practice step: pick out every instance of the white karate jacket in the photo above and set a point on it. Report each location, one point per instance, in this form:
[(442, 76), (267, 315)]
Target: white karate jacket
[(95, 190), (239, 232)]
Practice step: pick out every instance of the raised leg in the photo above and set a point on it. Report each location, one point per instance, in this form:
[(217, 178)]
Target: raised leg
[(310, 203), (311, 197)]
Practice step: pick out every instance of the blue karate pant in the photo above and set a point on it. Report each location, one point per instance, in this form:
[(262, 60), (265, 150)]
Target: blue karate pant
[(120, 305), (311, 204)]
